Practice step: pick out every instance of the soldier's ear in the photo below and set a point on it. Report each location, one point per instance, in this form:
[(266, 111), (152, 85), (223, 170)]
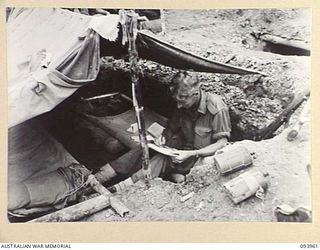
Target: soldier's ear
[(196, 93)]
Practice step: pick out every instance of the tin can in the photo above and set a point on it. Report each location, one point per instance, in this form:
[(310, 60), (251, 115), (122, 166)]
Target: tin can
[(236, 158), (246, 185)]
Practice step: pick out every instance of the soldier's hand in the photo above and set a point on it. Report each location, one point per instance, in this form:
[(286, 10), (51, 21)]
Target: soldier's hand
[(181, 156)]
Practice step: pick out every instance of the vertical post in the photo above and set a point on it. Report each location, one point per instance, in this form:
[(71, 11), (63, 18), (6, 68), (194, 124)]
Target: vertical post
[(163, 21), (129, 22)]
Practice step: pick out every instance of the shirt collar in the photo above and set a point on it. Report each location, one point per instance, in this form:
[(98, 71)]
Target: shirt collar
[(203, 102)]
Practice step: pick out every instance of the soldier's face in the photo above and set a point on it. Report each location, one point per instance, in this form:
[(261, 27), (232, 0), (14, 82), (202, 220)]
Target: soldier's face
[(186, 97)]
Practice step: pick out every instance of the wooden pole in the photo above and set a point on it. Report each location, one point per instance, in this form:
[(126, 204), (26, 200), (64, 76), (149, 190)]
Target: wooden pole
[(78, 211), (88, 207), (303, 117), (267, 132), (129, 21), (116, 204)]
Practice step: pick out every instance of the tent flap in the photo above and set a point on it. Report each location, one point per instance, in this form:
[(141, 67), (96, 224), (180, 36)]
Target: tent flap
[(152, 48), (51, 53)]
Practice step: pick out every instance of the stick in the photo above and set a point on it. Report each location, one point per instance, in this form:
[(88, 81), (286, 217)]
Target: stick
[(129, 21), (268, 131), (293, 133), (116, 204), (100, 96), (78, 211)]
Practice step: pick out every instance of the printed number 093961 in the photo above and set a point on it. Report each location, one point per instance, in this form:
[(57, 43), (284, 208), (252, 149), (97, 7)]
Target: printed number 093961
[(309, 246)]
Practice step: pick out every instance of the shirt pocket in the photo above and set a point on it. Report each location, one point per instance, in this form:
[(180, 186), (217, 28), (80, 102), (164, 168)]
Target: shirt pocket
[(202, 136)]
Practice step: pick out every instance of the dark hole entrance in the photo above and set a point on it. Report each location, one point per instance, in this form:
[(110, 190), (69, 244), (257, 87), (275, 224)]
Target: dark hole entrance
[(281, 45), (109, 96), (284, 49)]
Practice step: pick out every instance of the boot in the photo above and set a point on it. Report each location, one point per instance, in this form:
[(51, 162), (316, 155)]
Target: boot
[(106, 173), (123, 185), (176, 178)]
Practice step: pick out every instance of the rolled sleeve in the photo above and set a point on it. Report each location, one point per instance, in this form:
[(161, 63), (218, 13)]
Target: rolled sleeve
[(221, 125)]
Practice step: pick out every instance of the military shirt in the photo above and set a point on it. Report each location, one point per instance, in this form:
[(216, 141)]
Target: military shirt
[(203, 125)]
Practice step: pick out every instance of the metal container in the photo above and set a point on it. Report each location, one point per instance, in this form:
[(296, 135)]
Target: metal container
[(246, 185), (236, 158)]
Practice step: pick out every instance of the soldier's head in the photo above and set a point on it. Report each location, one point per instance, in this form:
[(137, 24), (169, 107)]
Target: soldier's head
[(185, 89)]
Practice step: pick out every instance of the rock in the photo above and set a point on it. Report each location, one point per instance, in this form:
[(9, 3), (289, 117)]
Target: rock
[(199, 206), (187, 197)]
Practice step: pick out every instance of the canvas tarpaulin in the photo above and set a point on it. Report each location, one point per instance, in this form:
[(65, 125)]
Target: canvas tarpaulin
[(51, 53), (152, 48)]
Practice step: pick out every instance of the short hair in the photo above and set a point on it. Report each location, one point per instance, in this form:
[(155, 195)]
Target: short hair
[(184, 79)]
